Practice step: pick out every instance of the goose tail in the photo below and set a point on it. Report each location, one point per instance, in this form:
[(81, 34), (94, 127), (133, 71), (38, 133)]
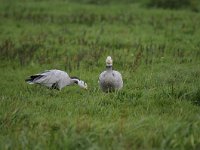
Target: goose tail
[(33, 78)]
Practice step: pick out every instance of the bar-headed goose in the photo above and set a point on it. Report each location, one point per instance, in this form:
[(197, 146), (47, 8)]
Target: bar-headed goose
[(110, 80), (55, 79)]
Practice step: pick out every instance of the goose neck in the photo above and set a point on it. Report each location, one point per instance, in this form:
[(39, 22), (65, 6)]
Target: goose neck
[(74, 80), (109, 68)]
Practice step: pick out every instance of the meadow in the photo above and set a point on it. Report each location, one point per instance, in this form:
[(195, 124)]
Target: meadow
[(156, 50)]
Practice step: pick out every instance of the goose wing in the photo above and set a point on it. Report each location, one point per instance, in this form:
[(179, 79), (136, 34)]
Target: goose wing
[(51, 78), (102, 76), (118, 82)]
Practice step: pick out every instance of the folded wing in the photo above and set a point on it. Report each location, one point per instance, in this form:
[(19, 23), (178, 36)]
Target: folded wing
[(50, 78)]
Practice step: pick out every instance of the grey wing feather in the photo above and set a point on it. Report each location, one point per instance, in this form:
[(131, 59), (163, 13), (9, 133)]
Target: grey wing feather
[(118, 81), (48, 78), (53, 79), (102, 76)]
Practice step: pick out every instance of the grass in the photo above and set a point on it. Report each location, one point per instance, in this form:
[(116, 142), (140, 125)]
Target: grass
[(157, 51)]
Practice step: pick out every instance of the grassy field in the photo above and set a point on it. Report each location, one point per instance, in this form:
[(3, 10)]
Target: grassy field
[(157, 52)]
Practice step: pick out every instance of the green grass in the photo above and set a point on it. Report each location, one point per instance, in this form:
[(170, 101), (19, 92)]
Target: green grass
[(157, 51)]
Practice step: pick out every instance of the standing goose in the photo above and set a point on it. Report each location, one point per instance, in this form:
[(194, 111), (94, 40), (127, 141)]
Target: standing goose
[(55, 79), (110, 80)]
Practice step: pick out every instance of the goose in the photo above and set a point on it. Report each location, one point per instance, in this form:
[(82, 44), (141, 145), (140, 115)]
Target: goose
[(55, 79), (110, 80)]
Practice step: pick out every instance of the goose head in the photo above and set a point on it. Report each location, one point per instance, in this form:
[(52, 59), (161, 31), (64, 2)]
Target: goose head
[(79, 82), (109, 61), (82, 84)]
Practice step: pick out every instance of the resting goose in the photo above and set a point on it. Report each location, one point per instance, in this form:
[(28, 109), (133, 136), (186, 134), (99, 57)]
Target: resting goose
[(110, 80), (55, 79)]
